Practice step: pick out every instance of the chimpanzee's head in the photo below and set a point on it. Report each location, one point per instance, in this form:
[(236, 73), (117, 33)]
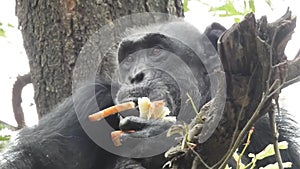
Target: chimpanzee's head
[(161, 66)]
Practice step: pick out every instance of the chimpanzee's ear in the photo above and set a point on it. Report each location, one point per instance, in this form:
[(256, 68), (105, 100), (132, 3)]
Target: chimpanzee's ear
[(213, 32)]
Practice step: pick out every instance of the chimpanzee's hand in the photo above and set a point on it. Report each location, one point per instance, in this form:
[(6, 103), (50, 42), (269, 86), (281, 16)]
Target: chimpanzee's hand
[(143, 128)]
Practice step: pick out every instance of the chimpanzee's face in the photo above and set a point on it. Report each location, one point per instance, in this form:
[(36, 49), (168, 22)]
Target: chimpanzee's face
[(151, 66)]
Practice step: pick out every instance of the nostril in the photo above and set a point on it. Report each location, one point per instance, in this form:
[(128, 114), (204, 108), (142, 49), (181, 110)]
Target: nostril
[(138, 78)]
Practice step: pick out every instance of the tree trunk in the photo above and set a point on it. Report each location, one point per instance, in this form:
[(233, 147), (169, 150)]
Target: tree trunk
[(252, 53), (54, 32)]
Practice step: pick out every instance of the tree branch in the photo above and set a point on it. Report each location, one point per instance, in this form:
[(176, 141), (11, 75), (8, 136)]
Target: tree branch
[(13, 128), (18, 86)]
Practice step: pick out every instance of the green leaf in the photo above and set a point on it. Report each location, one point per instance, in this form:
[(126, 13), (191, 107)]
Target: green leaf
[(229, 9), (269, 150), (4, 138), (10, 25), (251, 5), (2, 32), (237, 20), (269, 3), (2, 126), (1, 24), (185, 5)]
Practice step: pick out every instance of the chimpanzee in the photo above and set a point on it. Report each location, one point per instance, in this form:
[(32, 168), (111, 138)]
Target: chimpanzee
[(158, 61)]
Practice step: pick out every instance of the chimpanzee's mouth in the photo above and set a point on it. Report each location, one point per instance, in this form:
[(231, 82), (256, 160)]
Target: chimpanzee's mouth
[(167, 99)]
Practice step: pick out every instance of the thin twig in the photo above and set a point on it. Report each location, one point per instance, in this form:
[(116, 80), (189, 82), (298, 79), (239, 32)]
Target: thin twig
[(194, 107), (280, 64), (298, 54), (199, 157), (228, 154), (271, 113), (245, 129), (271, 58), (11, 127), (275, 139), (245, 147), (290, 82), (275, 91)]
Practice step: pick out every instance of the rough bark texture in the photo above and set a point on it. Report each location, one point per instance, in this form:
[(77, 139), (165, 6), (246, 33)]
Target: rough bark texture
[(54, 32), (249, 50)]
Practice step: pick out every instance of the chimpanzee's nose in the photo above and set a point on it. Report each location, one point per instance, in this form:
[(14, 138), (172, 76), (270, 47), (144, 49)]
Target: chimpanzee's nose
[(137, 78)]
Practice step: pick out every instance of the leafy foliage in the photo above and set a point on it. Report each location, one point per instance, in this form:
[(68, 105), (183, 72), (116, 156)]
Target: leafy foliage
[(3, 138), (267, 152), (231, 8), (3, 27), (185, 5), (10, 25), (2, 32)]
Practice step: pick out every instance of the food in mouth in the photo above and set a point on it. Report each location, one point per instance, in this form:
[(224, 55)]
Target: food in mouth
[(148, 110)]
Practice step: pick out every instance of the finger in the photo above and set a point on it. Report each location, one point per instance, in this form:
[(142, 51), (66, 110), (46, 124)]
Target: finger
[(126, 136), (118, 137), (134, 123), (115, 136), (149, 130)]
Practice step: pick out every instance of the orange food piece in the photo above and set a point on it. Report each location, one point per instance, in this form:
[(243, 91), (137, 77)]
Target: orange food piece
[(115, 136), (111, 110)]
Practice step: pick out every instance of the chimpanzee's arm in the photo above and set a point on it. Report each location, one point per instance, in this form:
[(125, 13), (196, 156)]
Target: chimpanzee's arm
[(58, 141)]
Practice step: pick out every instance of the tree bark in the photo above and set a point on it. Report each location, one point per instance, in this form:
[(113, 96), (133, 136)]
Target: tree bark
[(252, 53), (18, 86), (54, 32)]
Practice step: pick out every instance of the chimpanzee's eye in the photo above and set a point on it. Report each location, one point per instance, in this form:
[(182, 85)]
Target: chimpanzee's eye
[(128, 60), (155, 52)]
